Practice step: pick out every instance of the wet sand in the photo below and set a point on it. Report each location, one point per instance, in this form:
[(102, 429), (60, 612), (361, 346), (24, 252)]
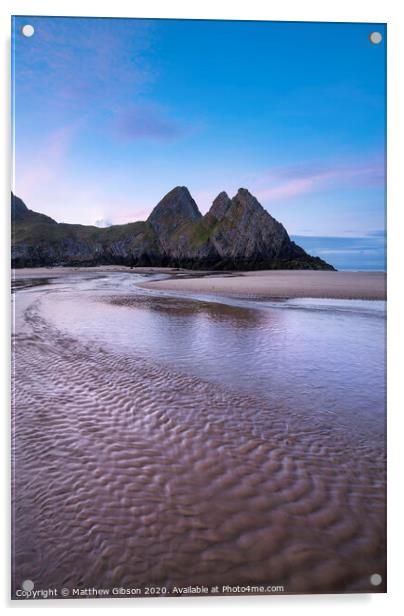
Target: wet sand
[(283, 284), (57, 271), (131, 470)]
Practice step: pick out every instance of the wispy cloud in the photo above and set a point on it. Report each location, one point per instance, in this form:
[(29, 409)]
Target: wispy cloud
[(287, 182), (71, 61), (147, 121)]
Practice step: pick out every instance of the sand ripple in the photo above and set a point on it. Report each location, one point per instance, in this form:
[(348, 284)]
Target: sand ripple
[(129, 473)]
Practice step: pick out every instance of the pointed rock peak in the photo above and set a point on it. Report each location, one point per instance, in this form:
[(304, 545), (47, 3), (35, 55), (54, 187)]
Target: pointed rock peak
[(221, 196), (179, 191), (245, 195), (176, 207), (245, 198), (220, 205)]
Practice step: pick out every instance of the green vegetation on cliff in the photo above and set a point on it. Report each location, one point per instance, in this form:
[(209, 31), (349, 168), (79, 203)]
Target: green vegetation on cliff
[(236, 233)]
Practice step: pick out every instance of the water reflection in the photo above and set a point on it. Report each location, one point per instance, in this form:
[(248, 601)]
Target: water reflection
[(326, 360)]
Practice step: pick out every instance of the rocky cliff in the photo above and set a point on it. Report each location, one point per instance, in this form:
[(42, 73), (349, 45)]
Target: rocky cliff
[(236, 233)]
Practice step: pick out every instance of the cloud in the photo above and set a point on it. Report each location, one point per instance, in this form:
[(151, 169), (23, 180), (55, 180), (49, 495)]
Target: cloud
[(147, 121), (291, 188), (102, 223), (283, 183), (71, 62)]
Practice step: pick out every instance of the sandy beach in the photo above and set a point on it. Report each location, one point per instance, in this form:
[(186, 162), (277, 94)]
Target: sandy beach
[(255, 284), (164, 440), (281, 284)]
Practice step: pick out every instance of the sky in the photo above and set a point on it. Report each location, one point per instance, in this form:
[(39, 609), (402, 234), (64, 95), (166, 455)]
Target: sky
[(111, 114)]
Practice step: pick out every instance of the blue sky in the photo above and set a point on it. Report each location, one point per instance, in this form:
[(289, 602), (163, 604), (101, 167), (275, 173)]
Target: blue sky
[(110, 114)]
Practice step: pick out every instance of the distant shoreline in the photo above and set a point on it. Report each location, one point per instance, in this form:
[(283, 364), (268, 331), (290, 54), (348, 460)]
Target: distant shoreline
[(261, 284), (282, 284)]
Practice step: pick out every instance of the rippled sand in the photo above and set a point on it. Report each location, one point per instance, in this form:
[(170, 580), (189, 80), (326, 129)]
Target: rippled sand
[(130, 472)]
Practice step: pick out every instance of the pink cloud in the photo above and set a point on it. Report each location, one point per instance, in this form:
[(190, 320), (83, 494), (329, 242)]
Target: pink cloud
[(288, 182)]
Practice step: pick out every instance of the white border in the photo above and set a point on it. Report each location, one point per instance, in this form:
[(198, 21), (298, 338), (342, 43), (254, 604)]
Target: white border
[(380, 11)]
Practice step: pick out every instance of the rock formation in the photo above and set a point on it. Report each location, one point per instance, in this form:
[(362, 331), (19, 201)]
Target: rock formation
[(236, 233)]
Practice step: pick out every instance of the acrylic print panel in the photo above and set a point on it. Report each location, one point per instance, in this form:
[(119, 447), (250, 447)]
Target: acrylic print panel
[(198, 254)]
